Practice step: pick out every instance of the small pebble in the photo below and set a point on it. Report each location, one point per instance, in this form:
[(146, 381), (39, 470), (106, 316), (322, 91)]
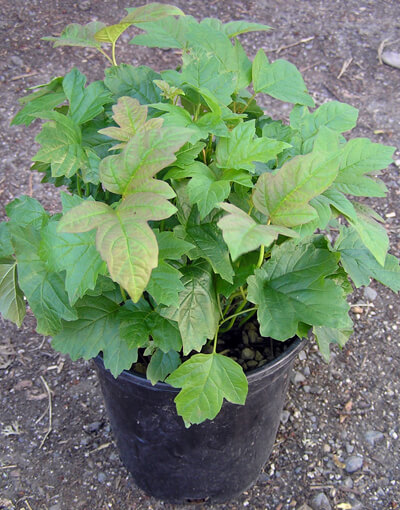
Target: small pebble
[(253, 336), (349, 448), (263, 477), (93, 427), (298, 378), (259, 356), (321, 502), (370, 294), (348, 482), (285, 415), (252, 363), (101, 477), (302, 356), (391, 58), (248, 353), (353, 463), (84, 5), (307, 371), (17, 61), (373, 436)]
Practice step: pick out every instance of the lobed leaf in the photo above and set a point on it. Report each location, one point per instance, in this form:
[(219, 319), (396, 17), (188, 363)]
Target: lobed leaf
[(161, 365), (153, 11), (78, 35), (12, 304)]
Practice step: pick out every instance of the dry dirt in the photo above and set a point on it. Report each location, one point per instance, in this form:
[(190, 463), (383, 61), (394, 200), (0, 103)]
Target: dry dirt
[(330, 408)]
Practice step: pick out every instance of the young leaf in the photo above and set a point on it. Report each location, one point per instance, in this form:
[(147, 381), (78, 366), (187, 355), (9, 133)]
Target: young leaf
[(153, 11), (131, 117), (197, 312), (165, 333), (61, 142), (44, 290), (78, 35), (165, 284), (40, 104), (24, 211), (210, 245), (243, 234), (135, 327), (96, 329), (168, 32), (111, 33), (361, 265), (146, 153), (291, 288), (360, 158), (137, 82), (284, 197), (206, 379), (206, 190), (170, 246), (281, 80), (74, 253), (84, 103), (339, 117), (187, 154), (12, 304), (326, 336), (161, 365), (235, 28), (124, 239), (242, 148)]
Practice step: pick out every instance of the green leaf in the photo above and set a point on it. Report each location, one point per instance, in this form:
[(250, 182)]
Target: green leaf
[(210, 245), (146, 153), (134, 328), (241, 149), (284, 196), (187, 154), (292, 287), (197, 312), (24, 211), (165, 333), (281, 80), (359, 263), (38, 105), (372, 234), (128, 245), (360, 158), (207, 190), (166, 33), (131, 117), (339, 117), (78, 35), (243, 234), (111, 33), (77, 255), (61, 142), (165, 284), (6, 248), (244, 267), (12, 304), (153, 11), (44, 290), (234, 28), (170, 246), (84, 103), (325, 336), (96, 330), (340, 203), (203, 71), (137, 82), (161, 365), (206, 380)]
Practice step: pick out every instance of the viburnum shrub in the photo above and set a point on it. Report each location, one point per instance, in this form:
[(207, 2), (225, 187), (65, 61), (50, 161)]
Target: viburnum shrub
[(189, 209)]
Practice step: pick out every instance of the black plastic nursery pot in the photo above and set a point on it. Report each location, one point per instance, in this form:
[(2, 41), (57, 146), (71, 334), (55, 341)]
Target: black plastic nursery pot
[(214, 461)]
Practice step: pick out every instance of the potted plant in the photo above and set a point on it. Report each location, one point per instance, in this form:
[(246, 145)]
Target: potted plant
[(200, 242)]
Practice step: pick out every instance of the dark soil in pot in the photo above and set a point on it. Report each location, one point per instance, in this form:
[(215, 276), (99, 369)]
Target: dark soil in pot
[(214, 461)]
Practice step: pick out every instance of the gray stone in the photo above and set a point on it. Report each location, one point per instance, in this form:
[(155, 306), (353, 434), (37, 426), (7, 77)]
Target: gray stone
[(93, 427), (349, 448), (370, 294), (101, 477), (305, 507), (306, 371), (263, 477), (321, 502), (252, 363), (84, 5), (285, 415), (259, 356), (348, 482), (391, 58), (248, 353), (353, 463), (302, 356), (17, 61), (373, 436), (298, 378)]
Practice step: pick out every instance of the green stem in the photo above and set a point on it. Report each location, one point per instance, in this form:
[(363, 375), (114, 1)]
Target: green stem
[(219, 307), (105, 55), (248, 102), (114, 62), (197, 112), (87, 189), (237, 314), (245, 319), (232, 318), (215, 340), (261, 257)]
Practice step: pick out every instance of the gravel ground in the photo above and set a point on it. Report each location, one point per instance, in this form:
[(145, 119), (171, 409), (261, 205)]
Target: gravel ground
[(338, 445)]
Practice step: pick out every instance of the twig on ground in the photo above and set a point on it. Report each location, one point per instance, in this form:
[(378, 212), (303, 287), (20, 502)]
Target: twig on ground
[(101, 447), (345, 66), (310, 66), (19, 77), (50, 409), (287, 46)]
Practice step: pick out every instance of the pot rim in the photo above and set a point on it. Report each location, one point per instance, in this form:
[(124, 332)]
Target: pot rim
[(254, 375)]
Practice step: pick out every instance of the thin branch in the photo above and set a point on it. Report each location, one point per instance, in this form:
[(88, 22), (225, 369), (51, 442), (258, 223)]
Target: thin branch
[(50, 411)]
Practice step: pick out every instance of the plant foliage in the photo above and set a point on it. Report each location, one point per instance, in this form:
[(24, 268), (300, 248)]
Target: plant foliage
[(189, 207)]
